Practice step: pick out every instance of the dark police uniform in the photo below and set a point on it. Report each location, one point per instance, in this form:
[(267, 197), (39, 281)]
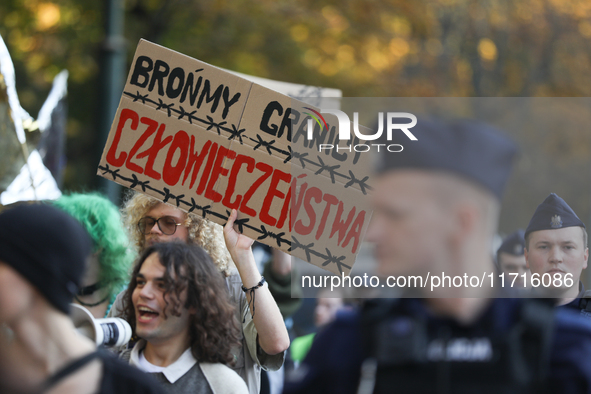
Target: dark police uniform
[(516, 346), (582, 303)]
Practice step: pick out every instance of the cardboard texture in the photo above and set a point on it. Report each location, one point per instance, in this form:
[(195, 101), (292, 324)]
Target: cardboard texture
[(314, 95), (328, 221), (208, 141)]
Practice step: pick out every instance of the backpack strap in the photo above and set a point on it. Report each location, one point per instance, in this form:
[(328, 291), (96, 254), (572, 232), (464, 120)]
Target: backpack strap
[(68, 370)]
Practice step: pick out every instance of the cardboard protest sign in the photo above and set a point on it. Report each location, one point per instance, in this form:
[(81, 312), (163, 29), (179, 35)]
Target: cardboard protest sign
[(208, 141)]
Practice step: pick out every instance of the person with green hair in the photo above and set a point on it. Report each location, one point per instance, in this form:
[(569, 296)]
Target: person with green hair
[(108, 269)]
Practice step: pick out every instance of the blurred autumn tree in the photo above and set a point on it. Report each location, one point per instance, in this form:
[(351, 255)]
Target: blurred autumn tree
[(366, 48)]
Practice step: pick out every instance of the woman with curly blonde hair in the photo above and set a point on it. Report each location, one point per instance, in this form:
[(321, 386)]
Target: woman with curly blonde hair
[(202, 232), (263, 337)]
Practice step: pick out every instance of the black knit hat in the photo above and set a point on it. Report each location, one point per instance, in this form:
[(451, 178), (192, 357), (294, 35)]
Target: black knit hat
[(553, 213), (47, 247), (473, 150)]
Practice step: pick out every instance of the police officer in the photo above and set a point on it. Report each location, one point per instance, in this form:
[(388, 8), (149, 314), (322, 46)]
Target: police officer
[(556, 252), (436, 207), (511, 260)]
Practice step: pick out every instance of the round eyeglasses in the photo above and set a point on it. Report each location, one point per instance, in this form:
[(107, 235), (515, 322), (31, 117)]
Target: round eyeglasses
[(166, 224)]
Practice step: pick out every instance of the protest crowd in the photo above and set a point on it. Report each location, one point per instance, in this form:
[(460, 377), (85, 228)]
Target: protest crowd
[(172, 292)]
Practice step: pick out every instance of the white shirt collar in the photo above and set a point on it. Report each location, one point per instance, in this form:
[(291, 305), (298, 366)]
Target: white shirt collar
[(174, 371)]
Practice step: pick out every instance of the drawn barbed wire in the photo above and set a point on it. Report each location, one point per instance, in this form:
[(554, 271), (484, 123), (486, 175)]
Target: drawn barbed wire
[(328, 257), (167, 196), (279, 238)]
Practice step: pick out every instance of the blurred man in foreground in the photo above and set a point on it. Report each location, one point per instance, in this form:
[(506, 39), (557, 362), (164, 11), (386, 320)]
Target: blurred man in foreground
[(436, 211)]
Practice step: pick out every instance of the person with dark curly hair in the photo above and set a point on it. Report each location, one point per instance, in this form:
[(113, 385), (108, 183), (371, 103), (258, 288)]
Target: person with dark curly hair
[(263, 335), (186, 325), (107, 273)]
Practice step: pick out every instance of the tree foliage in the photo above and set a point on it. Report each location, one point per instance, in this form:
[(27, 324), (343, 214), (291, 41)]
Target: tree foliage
[(366, 48)]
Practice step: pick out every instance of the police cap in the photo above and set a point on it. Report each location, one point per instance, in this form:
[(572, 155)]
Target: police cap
[(553, 213), (513, 244), (470, 149)]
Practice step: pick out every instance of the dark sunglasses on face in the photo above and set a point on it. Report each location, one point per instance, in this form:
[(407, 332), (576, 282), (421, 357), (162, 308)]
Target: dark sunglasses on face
[(166, 224)]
